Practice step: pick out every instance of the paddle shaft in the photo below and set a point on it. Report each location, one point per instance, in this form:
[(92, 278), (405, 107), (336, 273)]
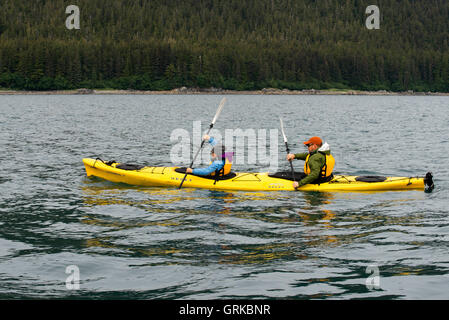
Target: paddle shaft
[(291, 164), (288, 149), (196, 155), (220, 107)]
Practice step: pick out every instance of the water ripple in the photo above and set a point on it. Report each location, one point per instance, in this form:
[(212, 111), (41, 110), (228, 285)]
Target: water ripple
[(158, 243)]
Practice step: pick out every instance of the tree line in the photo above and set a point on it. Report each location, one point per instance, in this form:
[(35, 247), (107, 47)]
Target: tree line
[(238, 45)]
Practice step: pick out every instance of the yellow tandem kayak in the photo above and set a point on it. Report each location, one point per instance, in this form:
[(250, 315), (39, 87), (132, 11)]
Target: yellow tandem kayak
[(245, 181)]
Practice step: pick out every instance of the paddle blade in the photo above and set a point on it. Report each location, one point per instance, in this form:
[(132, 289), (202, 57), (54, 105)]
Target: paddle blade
[(282, 130), (220, 107)]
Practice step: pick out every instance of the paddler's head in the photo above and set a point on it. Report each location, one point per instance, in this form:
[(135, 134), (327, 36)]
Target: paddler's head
[(313, 144), (218, 152)]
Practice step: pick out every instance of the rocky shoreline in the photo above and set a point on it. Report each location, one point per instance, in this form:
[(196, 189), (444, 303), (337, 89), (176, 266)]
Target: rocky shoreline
[(185, 91)]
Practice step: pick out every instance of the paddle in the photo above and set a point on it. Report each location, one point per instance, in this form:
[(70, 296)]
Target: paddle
[(288, 149), (220, 107)]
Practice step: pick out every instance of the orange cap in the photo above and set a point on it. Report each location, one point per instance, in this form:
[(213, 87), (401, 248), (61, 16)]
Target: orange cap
[(315, 140)]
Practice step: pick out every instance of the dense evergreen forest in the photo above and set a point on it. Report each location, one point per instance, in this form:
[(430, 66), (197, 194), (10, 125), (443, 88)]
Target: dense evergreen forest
[(229, 44)]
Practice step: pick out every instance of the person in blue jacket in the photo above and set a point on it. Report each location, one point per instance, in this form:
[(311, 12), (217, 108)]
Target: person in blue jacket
[(220, 163)]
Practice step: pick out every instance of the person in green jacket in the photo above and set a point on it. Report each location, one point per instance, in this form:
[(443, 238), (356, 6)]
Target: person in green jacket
[(318, 164)]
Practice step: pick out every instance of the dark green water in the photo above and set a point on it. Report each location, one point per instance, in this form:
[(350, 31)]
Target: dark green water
[(156, 243)]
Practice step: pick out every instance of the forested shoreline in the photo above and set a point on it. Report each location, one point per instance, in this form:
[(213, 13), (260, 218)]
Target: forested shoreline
[(233, 45)]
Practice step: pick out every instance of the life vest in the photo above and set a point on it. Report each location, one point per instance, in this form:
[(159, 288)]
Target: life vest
[(225, 170), (326, 170)]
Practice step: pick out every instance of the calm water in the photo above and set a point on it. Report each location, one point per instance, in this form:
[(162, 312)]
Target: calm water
[(156, 243)]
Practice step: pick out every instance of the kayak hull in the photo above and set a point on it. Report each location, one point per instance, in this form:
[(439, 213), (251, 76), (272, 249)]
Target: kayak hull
[(245, 181)]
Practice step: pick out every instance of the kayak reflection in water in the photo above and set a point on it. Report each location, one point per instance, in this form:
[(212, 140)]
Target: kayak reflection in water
[(221, 161), (318, 164)]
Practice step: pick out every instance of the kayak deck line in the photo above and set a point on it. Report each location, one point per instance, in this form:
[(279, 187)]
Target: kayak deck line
[(245, 181), (335, 179)]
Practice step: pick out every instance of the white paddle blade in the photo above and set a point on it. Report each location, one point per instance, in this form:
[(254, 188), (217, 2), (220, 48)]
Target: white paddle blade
[(282, 130), (220, 107)]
